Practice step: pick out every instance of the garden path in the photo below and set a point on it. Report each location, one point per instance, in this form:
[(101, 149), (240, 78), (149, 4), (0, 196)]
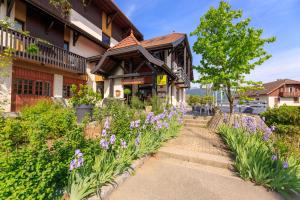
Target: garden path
[(194, 166)]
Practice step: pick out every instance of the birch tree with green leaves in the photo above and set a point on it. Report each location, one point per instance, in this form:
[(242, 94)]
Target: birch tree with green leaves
[(230, 50)]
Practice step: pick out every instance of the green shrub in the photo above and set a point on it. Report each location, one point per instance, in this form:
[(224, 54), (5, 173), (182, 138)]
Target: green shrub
[(261, 161), (84, 95), (199, 100), (157, 104), (285, 115), (136, 103)]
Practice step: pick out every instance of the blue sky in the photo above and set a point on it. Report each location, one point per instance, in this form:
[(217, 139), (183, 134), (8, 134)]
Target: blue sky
[(280, 18)]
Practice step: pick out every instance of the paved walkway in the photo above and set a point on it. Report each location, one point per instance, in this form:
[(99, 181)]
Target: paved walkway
[(194, 166)]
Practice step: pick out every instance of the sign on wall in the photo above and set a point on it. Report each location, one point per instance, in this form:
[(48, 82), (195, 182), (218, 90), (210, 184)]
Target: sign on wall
[(135, 81), (161, 79)]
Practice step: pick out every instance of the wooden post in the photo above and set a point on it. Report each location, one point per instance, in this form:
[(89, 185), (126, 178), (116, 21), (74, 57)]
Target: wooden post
[(154, 77), (111, 87)]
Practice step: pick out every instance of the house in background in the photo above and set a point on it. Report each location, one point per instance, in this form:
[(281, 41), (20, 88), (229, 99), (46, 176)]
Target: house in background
[(69, 48), (278, 93)]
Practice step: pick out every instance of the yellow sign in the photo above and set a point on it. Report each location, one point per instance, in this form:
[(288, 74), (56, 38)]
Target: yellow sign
[(162, 80)]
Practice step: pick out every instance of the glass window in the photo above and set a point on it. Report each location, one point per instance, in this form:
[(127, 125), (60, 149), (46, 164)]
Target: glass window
[(66, 91), (66, 46), (47, 89), (19, 25), (105, 39), (19, 86), (39, 88)]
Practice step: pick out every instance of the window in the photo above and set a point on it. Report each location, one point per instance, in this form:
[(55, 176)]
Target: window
[(290, 89), (23, 87), (296, 99), (105, 39), (66, 91), (39, 88), (66, 46), (47, 88), (19, 25)]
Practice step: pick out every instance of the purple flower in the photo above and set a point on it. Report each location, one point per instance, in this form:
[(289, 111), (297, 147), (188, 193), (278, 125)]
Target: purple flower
[(123, 144), (132, 125), (106, 124), (149, 117), (77, 151), (159, 125), (104, 132), (138, 140), (104, 144), (79, 162), (137, 123), (266, 136), (166, 124), (112, 139), (285, 165), (273, 128), (72, 165), (274, 157), (236, 124)]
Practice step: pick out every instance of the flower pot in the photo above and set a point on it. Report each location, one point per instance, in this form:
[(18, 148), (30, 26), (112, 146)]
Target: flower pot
[(148, 108), (82, 111)]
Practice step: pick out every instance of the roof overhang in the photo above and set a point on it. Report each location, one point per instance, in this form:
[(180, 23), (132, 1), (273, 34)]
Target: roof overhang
[(127, 50)]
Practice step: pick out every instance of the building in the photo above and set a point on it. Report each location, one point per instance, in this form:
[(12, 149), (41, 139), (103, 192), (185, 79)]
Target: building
[(61, 50), (278, 93), (160, 66)]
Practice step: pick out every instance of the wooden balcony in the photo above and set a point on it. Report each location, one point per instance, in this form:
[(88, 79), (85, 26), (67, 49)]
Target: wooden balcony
[(46, 54), (182, 77), (289, 94)]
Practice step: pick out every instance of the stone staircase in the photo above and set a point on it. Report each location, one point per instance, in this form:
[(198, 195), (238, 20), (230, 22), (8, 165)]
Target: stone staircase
[(198, 145)]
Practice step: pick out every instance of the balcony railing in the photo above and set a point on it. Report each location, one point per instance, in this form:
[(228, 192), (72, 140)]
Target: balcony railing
[(289, 94), (182, 77), (46, 54)]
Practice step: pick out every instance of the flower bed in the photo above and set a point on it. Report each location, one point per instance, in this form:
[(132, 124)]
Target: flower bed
[(44, 152), (259, 159)]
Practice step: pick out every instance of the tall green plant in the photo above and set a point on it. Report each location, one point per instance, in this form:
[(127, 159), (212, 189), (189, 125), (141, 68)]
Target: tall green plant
[(230, 49)]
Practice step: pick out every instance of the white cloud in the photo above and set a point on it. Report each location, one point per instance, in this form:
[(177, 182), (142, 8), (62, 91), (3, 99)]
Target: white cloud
[(282, 65)]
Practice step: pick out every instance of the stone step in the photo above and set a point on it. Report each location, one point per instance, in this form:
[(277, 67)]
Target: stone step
[(196, 157), (197, 117), (195, 125), (196, 120)]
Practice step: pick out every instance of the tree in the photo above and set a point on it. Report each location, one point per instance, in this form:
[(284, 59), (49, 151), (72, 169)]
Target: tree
[(230, 49)]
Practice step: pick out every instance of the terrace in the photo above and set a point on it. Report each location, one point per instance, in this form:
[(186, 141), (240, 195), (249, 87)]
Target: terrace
[(44, 52)]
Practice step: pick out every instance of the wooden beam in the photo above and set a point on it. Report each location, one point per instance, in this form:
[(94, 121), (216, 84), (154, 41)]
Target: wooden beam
[(110, 18), (140, 66), (9, 7), (75, 37), (130, 75), (49, 27)]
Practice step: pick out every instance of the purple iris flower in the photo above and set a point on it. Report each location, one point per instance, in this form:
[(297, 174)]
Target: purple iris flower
[(123, 144), (72, 165), (77, 151), (236, 124), (132, 125), (149, 117), (106, 124), (274, 157), (112, 139), (273, 128), (104, 132), (137, 141), (78, 161), (166, 124), (285, 165), (137, 123), (104, 144)]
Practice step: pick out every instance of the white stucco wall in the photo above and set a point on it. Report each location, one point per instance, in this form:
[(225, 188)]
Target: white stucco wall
[(106, 89), (118, 86), (84, 47), (6, 89), (84, 24), (58, 85), (282, 101)]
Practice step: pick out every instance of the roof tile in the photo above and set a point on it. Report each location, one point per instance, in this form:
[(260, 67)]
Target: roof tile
[(162, 40)]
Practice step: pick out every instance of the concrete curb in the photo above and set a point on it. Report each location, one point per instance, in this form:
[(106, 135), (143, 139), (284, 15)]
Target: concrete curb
[(107, 190)]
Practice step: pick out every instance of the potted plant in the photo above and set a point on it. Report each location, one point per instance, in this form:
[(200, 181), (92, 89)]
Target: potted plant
[(83, 100), (127, 92)]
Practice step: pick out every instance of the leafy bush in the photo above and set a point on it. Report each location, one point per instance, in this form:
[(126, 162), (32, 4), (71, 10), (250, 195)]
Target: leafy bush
[(286, 119), (136, 103), (259, 160), (157, 104), (37, 149), (199, 100), (84, 95)]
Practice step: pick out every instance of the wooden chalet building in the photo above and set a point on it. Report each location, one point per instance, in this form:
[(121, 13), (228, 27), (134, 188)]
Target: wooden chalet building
[(95, 44), (278, 93)]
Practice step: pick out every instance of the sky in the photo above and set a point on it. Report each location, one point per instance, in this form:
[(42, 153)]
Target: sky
[(279, 18)]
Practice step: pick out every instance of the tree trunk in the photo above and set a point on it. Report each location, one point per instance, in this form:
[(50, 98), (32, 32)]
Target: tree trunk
[(231, 106), (230, 99)]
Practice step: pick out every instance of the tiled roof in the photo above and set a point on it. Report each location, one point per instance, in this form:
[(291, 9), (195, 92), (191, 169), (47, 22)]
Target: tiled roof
[(162, 40), (128, 41), (271, 86)]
